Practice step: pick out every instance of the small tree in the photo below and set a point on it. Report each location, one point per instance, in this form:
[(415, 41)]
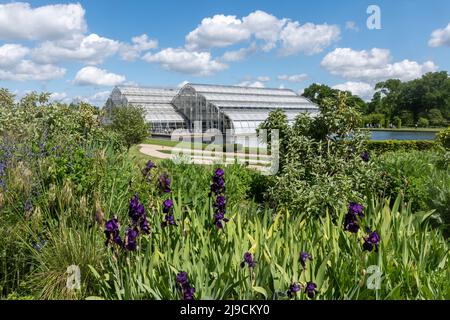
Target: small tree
[(277, 120), (423, 122), (129, 123), (436, 118), (397, 122)]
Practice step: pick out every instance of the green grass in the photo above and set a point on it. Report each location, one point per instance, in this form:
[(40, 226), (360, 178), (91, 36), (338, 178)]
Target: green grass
[(138, 157), (188, 145)]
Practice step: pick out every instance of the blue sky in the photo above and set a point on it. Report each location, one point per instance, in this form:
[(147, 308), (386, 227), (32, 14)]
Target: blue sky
[(82, 49)]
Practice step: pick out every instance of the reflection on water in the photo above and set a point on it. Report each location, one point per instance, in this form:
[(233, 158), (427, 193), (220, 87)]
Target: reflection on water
[(402, 135)]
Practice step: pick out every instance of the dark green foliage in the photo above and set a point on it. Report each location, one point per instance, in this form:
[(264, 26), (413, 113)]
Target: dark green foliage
[(322, 161), (382, 146), (277, 120), (129, 123), (318, 93), (443, 138), (423, 179), (427, 97), (423, 122)]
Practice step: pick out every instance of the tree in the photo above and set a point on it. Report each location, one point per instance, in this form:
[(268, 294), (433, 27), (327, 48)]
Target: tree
[(407, 118), (277, 120), (414, 99), (390, 92), (397, 121), (318, 93), (129, 123), (436, 118), (6, 98)]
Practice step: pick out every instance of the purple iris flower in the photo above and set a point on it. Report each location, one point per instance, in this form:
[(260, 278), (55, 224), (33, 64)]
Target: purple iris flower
[(182, 277), (220, 202), (130, 239), (169, 221), (310, 289), (148, 167), (112, 229), (219, 172), (248, 259), (167, 205), (356, 209), (186, 289), (293, 288), (365, 156), (188, 292), (351, 223), (303, 257), (218, 189), (218, 182), (144, 225), (137, 214), (164, 183), (371, 241)]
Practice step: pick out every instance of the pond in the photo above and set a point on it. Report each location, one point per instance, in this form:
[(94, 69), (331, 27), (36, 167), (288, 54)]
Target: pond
[(402, 135)]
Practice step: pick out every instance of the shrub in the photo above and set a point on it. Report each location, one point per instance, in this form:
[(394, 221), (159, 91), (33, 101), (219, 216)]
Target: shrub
[(382, 146), (322, 162), (423, 122), (423, 179), (443, 138), (436, 118), (129, 122)]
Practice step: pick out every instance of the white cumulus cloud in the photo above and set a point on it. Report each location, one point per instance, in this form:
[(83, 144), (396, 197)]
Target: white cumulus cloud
[(265, 27), (11, 54), (440, 37), (293, 78), (99, 77), (139, 44), (19, 20), (249, 83), (28, 70), (292, 37), (308, 38), (263, 78), (218, 31), (373, 65), (238, 55), (362, 89), (184, 61), (91, 49)]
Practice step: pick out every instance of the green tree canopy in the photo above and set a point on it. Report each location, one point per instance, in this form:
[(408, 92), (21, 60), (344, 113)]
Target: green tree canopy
[(129, 122)]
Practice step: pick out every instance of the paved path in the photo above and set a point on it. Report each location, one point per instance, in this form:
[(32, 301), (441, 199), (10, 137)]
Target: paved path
[(206, 156)]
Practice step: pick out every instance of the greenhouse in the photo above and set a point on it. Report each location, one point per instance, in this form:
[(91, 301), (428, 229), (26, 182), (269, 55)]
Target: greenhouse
[(238, 109), (159, 111)]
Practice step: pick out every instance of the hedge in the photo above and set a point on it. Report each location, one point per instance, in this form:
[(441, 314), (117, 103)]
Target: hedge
[(382, 146)]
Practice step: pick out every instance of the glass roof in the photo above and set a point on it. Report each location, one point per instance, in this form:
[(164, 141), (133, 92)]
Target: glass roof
[(155, 101), (251, 98), (207, 88), (145, 91)]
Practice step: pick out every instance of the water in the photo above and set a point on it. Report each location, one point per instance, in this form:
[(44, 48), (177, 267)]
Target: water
[(402, 135), (252, 141)]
